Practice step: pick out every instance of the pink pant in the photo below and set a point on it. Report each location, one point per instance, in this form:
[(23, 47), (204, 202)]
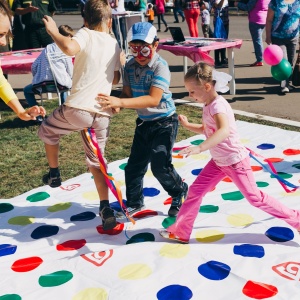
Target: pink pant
[(192, 16), (241, 174)]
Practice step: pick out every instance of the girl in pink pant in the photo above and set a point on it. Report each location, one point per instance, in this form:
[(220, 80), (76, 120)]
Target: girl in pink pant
[(229, 157)]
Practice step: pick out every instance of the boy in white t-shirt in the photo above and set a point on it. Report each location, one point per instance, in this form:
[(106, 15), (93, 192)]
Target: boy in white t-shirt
[(205, 18), (96, 68)]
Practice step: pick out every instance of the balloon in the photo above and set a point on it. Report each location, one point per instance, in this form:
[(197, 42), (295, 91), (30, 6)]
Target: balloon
[(282, 71), (273, 55)]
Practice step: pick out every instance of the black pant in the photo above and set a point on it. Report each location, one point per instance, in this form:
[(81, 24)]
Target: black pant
[(37, 37)]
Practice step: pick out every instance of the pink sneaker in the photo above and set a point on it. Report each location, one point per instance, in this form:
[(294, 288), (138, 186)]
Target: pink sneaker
[(170, 236)]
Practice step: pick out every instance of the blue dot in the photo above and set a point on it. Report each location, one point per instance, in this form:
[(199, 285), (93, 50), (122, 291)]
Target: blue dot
[(85, 216), (248, 250), (150, 192), (44, 231), (196, 172), (174, 292), (116, 205), (280, 234), (7, 249), (214, 270), (266, 146)]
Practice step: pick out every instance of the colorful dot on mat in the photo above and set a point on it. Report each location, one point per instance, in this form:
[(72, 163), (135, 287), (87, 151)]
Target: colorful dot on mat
[(150, 192), (291, 152), (262, 184), (248, 250), (122, 166), (201, 156), (178, 156), (91, 293), (283, 175), (21, 220), (297, 166), (71, 245), (141, 237), (84, 216), (259, 290), (26, 264), (227, 179), (266, 146), (10, 297), (214, 270), (93, 195), (208, 209), (5, 207), (244, 141), (149, 173), (44, 231), (232, 196), (59, 207), (274, 159), (55, 278), (145, 213), (240, 220), (174, 292), (135, 271), (174, 250), (209, 236), (7, 249), (116, 230), (36, 197), (280, 234), (168, 221), (116, 205), (168, 201), (256, 168), (196, 172), (178, 164), (197, 142)]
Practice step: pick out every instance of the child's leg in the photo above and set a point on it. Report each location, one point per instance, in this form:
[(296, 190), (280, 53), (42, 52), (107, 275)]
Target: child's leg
[(208, 178), (29, 95), (242, 175)]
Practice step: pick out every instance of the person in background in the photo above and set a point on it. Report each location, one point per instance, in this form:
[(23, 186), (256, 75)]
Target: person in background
[(32, 13), (6, 92), (41, 70), (177, 10), (191, 10), (205, 17), (141, 5), (257, 15), (282, 29), (160, 13), (150, 13)]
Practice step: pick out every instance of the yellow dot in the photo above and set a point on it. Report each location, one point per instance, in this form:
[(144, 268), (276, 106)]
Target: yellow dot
[(244, 141), (240, 220), (91, 294), (121, 182), (179, 164), (200, 156), (21, 220), (149, 173), (209, 236), (59, 207), (135, 271), (293, 194), (91, 195), (174, 250)]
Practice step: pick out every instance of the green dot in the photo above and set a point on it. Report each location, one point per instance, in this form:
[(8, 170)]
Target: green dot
[(40, 196), (168, 221), (233, 196), (55, 279), (59, 207), (197, 142), (5, 207), (10, 297), (261, 184), (21, 220), (297, 166), (209, 209), (122, 166), (283, 175)]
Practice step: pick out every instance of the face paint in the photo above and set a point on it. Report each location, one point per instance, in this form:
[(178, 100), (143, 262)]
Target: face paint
[(144, 51)]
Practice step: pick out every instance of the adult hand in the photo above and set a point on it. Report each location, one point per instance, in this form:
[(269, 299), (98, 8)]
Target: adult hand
[(31, 8), (50, 25), (268, 40)]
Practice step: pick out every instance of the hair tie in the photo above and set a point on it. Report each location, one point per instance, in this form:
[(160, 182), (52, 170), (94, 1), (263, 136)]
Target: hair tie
[(222, 80)]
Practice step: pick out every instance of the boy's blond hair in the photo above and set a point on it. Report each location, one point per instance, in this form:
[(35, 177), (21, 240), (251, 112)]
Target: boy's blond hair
[(97, 13)]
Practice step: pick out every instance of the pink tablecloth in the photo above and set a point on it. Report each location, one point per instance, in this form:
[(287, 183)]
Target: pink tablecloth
[(200, 53), (18, 62)]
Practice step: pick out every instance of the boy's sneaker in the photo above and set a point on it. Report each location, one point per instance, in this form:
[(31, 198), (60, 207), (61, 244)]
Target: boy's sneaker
[(51, 181), (171, 236), (131, 211), (108, 218), (177, 201)]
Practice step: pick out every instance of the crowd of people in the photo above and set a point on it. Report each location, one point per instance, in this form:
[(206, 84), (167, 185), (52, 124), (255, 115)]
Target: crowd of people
[(146, 88)]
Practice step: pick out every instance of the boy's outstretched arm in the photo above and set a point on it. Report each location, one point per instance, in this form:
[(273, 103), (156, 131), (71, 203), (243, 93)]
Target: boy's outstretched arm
[(68, 46)]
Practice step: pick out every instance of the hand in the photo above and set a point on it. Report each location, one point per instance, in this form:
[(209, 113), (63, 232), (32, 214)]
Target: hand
[(183, 120), (190, 151), (50, 25), (32, 112), (268, 41), (31, 8), (108, 101)]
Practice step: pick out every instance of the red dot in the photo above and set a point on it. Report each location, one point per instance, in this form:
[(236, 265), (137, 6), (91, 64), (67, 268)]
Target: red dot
[(145, 213), (291, 152), (168, 201), (256, 168), (274, 159), (71, 245), (227, 179), (259, 290), (26, 264), (118, 229)]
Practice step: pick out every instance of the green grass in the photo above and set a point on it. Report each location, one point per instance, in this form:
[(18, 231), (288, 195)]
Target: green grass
[(23, 160)]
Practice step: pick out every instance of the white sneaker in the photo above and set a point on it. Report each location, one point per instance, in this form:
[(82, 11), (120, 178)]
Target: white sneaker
[(285, 90)]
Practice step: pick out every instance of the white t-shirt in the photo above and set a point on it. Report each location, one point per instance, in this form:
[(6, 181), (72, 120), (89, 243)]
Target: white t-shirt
[(120, 9), (94, 67)]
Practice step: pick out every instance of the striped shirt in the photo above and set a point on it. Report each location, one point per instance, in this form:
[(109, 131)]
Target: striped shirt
[(142, 78)]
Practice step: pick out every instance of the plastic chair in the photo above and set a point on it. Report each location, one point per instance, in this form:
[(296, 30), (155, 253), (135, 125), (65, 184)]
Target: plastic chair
[(51, 86)]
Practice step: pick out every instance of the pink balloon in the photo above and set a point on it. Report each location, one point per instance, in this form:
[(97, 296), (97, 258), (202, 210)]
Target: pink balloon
[(273, 55)]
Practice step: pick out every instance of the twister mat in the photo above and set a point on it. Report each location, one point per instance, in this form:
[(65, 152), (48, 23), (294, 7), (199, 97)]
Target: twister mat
[(52, 245)]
